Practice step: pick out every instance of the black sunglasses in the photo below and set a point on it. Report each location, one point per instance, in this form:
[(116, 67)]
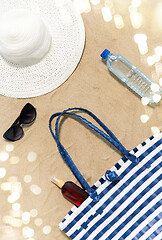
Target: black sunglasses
[(27, 116)]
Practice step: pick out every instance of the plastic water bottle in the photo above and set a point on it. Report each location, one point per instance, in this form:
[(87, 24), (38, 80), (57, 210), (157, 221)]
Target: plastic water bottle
[(132, 77)]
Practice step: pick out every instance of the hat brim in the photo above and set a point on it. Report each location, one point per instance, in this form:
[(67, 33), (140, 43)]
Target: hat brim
[(68, 39)]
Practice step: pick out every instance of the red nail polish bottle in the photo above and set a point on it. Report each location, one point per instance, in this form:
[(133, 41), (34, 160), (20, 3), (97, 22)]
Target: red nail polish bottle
[(71, 191)]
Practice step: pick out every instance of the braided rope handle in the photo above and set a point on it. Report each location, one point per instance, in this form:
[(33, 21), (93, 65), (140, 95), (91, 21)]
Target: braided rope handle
[(109, 136)]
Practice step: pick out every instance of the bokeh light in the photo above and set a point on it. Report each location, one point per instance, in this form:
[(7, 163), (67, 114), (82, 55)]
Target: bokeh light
[(2, 172), (95, 2), (47, 229), (141, 40), (35, 189), (156, 97), (140, 37), (28, 232), (136, 3), (119, 23), (155, 87), (158, 69), (82, 6), (6, 186), (27, 178), (26, 217), (155, 130), (145, 101), (32, 156), (151, 60), (16, 187), (160, 82), (34, 213), (13, 197), (9, 147), (16, 206), (158, 50), (12, 221), (38, 221), (16, 214), (106, 12), (143, 48), (4, 156), (136, 19), (144, 118)]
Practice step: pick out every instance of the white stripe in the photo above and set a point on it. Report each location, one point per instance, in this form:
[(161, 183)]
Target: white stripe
[(159, 237), (150, 142), (80, 209), (124, 205), (123, 192), (115, 188), (141, 213), (144, 223), (144, 148), (141, 149), (131, 198), (117, 200), (151, 230)]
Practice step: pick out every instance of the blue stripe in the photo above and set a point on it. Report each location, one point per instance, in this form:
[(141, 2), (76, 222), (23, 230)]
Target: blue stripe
[(112, 210), (117, 165), (111, 198), (142, 156), (152, 137), (135, 149), (102, 180), (143, 144), (141, 219), (70, 212), (94, 187), (125, 159), (121, 188), (126, 210), (155, 233), (149, 150), (108, 189), (148, 226)]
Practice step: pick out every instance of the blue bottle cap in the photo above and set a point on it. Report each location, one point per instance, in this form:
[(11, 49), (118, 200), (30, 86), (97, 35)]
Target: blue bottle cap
[(105, 53)]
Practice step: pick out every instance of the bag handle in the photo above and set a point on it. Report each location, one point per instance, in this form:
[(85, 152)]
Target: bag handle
[(111, 176)]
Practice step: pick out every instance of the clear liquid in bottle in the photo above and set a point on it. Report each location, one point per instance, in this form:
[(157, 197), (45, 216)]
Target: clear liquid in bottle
[(132, 77)]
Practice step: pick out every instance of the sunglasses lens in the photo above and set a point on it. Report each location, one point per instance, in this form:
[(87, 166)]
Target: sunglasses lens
[(28, 114), (13, 133)]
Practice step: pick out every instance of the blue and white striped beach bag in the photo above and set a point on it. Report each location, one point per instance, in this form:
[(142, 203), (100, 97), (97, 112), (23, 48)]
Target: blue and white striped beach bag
[(126, 201)]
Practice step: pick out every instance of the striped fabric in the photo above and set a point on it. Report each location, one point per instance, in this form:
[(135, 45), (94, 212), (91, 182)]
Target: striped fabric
[(128, 209)]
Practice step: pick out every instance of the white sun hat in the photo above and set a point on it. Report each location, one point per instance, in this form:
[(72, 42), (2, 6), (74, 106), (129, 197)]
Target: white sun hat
[(41, 43)]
